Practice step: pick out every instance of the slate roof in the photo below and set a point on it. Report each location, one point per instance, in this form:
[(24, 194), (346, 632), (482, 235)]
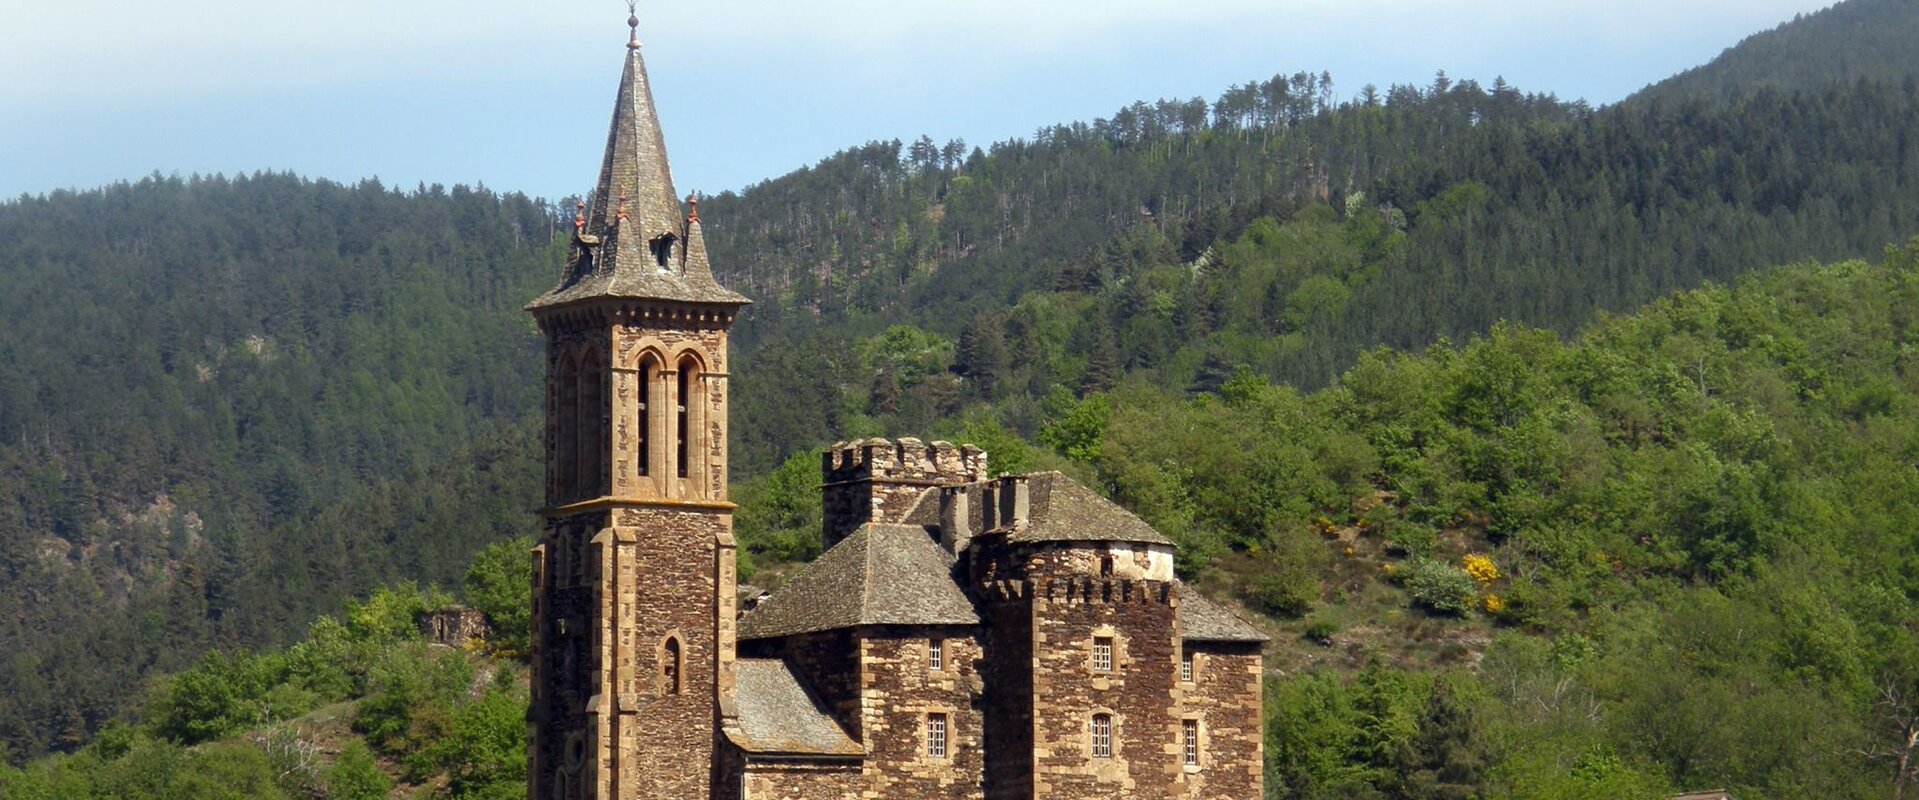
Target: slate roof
[(777, 715), (633, 204), (1202, 620), (1059, 509), (881, 575)]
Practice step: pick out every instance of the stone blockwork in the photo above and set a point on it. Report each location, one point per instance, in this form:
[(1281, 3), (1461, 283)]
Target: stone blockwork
[(899, 689), (1069, 613), (876, 480), (776, 779), (1224, 697)]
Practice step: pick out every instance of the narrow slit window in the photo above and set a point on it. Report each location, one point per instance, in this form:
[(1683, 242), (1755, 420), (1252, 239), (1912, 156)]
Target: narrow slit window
[(568, 432), (936, 735), (1102, 654), (685, 401), (936, 654), (670, 666), (1102, 736), (649, 373), (1189, 741)]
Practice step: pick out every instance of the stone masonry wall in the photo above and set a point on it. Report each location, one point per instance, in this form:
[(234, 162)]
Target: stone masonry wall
[(566, 612), (802, 780), (1225, 697), (1008, 696), (1137, 692), (876, 480), (899, 688), (665, 585)]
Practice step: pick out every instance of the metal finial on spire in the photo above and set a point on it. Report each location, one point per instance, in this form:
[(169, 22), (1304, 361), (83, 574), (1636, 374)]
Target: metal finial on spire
[(633, 22), (693, 199)]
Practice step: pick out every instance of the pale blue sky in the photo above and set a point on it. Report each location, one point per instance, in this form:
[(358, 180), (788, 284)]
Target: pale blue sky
[(516, 95)]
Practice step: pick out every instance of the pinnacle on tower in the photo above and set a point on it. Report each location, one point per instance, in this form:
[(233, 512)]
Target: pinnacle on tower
[(635, 241)]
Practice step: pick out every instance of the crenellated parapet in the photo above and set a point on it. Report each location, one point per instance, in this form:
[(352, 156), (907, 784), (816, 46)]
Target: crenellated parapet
[(880, 480), (904, 460)]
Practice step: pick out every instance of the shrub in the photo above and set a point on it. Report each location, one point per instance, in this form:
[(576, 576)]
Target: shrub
[(1481, 568), (1283, 594), (1439, 586), (1411, 538), (355, 776), (1321, 630)]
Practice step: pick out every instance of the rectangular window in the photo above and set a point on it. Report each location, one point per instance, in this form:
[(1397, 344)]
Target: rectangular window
[(1189, 740), (1185, 665), (1103, 654), (936, 654), (936, 735), (1102, 736)]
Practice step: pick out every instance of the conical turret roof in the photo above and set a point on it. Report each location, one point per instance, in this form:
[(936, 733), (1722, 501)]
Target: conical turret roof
[(633, 238)]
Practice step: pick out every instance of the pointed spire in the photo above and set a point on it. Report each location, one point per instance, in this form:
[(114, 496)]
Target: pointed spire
[(631, 238)]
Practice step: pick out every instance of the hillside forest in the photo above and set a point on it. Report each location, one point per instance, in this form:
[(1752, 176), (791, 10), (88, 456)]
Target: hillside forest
[(1566, 451)]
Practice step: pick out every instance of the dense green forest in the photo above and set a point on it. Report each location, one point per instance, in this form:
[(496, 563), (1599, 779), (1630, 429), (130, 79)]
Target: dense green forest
[(246, 400), (1870, 39), (1127, 241)]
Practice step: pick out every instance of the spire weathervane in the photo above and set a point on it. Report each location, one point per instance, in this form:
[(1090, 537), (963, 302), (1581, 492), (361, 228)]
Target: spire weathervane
[(633, 22)]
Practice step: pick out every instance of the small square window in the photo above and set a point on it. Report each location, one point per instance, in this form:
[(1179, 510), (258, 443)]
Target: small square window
[(1189, 740), (936, 735), (936, 654), (1103, 654), (1185, 665), (1102, 736)]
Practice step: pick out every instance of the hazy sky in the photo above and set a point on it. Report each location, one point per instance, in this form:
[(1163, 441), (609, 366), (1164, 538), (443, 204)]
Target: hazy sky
[(516, 95)]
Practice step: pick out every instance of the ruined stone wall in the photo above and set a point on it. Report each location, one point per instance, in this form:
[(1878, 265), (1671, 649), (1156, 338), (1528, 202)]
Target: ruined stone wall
[(876, 480), (1224, 697), (899, 689)]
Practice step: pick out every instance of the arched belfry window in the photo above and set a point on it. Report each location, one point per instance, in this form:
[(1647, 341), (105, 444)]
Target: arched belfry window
[(688, 372), (592, 424), (670, 665), (566, 427), (649, 375)]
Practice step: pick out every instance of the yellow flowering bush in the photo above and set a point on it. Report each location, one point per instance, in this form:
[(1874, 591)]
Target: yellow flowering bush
[(1483, 570), (1493, 605)]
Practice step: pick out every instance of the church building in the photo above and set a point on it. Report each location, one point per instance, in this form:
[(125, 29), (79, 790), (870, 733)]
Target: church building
[(964, 634)]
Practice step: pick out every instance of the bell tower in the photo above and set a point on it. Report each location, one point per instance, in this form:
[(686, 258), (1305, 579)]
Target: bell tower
[(633, 579)]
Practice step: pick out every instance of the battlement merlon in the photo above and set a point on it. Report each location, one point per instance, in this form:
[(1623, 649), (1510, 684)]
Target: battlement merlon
[(906, 460)]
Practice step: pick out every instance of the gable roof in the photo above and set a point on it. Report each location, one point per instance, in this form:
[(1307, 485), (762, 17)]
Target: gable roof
[(881, 575), (1202, 620), (775, 714)]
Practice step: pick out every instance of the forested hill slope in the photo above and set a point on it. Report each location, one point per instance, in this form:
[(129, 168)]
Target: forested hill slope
[(1418, 213), (1851, 40), (227, 404)]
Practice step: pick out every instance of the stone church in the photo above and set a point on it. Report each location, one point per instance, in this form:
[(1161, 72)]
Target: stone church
[(964, 635)]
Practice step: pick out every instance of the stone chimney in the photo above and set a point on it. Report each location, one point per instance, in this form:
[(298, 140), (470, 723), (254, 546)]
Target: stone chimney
[(955, 528), (1014, 502)]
